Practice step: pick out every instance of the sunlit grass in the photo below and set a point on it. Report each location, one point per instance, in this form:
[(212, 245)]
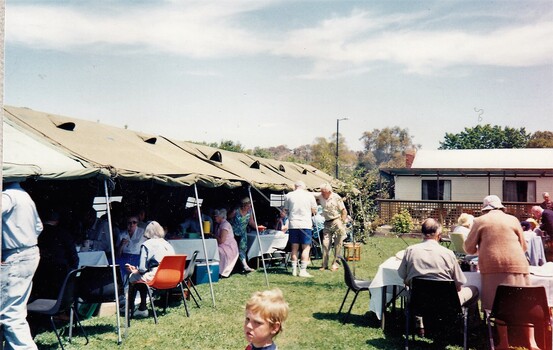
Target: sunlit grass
[(313, 321)]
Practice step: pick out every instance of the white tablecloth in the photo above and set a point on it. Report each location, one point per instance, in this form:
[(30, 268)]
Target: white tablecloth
[(188, 246), (269, 242), (387, 276), (93, 258), (474, 279)]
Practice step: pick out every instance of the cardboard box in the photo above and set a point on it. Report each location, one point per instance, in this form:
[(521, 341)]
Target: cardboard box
[(200, 272)]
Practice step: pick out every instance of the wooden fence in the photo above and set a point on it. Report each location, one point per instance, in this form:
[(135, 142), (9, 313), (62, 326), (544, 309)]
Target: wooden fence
[(446, 212)]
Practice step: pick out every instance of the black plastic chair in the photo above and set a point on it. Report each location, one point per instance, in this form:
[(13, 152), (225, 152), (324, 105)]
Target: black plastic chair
[(437, 302), (188, 273), (517, 308), (54, 307), (278, 257), (445, 241), (353, 284), (95, 285)]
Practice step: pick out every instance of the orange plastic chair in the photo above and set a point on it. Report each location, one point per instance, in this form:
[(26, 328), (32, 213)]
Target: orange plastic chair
[(169, 275)]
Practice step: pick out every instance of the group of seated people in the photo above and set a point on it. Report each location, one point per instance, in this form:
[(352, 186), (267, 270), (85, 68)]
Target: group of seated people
[(140, 244), (499, 240), (139, 247), (535, 252)]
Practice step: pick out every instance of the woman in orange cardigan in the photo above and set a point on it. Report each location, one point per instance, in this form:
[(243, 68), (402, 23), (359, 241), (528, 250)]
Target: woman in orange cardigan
[(498, 239)]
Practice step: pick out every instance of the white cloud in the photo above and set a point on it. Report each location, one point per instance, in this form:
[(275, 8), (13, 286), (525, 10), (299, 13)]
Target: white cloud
[(337, 46), (194, 29), (203, 73), (345, 50)]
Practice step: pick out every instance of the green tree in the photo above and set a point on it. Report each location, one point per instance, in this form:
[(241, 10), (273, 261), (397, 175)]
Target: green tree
[(361, 190), (262, 152), (230, 145), (323, 155), (486, 137), (386, 148), (301, 154), (541, 139)]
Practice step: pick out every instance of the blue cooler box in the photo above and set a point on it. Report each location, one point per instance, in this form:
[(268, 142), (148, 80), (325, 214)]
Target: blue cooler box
[(200, 272)]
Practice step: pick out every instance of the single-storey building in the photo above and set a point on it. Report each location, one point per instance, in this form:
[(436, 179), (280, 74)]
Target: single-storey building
[(445, 183)]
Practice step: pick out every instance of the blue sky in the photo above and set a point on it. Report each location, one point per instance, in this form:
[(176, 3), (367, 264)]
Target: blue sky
[(266, 73)]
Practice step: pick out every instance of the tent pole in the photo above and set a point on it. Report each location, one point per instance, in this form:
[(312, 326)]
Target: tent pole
[(258, 238), (115, 272), (203, 243), (350, 205)]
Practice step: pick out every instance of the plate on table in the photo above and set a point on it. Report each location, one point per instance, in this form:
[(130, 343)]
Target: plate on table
[(546, 270)]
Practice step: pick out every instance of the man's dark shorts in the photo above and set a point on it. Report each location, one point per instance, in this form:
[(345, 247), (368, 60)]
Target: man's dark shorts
[(300, 236)]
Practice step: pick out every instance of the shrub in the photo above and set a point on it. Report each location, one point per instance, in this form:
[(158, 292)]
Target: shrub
[(402, 222), (375, 224)]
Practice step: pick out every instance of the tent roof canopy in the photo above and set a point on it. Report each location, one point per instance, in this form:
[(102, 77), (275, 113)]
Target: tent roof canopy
[(26, 156), (141, 156)]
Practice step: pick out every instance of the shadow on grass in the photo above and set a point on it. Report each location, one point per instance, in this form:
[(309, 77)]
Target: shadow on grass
[(78, 337), (356, 320), (441, 338), (275, 270)]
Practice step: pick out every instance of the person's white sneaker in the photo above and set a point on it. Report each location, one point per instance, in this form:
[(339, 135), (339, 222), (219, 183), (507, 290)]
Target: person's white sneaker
[(304, 273), (294, 271), (140, 313)]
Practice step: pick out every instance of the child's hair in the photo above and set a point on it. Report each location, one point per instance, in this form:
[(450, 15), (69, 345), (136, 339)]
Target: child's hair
[(270, 304)]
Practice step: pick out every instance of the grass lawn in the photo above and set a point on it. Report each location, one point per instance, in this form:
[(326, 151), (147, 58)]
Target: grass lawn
[(313, 322)]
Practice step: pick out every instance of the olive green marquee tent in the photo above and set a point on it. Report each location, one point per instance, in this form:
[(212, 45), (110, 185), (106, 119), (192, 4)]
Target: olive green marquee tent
[(54, 147)]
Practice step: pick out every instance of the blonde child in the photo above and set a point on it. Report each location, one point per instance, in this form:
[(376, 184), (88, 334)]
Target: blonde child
[(266, 312)]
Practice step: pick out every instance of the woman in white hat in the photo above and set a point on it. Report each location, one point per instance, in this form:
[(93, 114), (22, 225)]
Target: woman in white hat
[(498, 239), (464, 222)]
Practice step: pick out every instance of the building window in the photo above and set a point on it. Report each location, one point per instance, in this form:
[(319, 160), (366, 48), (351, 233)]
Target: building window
[(519, 191), (436, 190)]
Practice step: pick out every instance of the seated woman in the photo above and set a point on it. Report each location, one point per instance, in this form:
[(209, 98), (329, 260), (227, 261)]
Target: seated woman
[(527, 231), (152, 251), (464, 223), (281, 221), (228, 248)]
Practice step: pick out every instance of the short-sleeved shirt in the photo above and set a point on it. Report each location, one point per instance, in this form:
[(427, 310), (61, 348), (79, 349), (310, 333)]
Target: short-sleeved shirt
[(432, 261), (300, 205), (332, 207), (21, 224)]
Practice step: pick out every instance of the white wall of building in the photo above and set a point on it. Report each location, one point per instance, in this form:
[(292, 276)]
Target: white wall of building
[(466, 188)]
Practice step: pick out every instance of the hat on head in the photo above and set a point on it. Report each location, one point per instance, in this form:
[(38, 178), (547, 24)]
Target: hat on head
[(465, 220), (533, 223), (491, 202), (246, 200)]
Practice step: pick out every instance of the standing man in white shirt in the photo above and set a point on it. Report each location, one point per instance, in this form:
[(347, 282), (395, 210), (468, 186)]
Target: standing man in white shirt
[(21, 226), (300, 205)]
